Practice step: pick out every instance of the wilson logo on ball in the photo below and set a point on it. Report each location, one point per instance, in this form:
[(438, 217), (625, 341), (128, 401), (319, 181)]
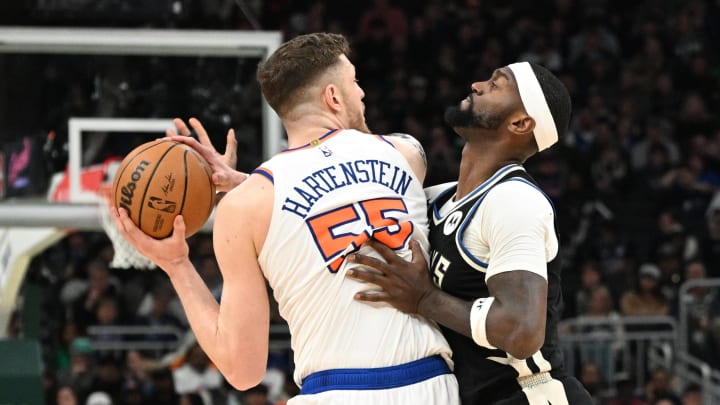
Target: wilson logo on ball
[(127, 192), (161, 204)]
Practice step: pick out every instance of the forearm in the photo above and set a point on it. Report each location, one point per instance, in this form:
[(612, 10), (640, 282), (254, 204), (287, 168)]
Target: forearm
[(201, 308), (504, 327), (508, 329), (449, 311)]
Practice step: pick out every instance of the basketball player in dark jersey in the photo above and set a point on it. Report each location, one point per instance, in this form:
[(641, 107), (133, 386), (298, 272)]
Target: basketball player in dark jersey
[(494, 244)]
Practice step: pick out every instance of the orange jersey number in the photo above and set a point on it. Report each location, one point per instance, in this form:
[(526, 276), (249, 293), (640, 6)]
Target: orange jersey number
[(334, 245)]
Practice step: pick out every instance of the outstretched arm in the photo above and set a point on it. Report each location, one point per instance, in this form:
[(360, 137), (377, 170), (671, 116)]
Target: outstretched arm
[(514, 323), (233, 333)]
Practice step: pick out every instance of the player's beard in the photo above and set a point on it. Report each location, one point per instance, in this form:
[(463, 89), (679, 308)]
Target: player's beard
[(457, 117), (358, 123)]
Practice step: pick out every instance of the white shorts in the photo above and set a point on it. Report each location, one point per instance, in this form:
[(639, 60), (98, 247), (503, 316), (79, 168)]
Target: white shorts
[(440, 390), (422, 382)]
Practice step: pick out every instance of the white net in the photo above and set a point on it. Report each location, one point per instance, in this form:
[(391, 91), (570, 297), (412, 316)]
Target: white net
[(126, 256)]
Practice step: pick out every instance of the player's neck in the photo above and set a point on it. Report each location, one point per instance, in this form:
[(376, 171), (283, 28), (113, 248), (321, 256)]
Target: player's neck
[(306, 129), (478, 164)]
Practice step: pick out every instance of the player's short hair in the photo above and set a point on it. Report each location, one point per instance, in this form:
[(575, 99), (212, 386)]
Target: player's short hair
[(296, 64), (557, 97)]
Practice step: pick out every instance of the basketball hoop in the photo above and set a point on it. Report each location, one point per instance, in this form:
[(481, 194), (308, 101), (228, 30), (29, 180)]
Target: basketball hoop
[(126, 256)]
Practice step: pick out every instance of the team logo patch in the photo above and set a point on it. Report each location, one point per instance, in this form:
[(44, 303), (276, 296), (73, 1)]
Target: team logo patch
[(452, 222), (325, 151)]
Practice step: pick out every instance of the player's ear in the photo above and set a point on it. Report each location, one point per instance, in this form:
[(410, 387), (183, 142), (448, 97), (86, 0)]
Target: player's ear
[(521, 123), (332, 98)]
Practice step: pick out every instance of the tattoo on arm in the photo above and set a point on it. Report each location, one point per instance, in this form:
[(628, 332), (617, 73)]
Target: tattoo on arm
[(412, 141)]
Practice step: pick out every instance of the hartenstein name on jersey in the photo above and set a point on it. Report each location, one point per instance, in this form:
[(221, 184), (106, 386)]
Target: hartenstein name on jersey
[(337, 176)]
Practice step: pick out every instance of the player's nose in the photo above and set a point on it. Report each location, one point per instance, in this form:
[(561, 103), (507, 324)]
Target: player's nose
[(477, 87)]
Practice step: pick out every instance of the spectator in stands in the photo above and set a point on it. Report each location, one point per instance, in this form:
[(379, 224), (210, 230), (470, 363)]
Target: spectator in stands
[(660, 386), (108, 378), (611, 172), (173, 310), (257, 395), (613, 252), (197, 374), (100, 285), (99, 398), (191, 399), (66, 396), (131, 394), (671, 231), (159, 315), (163, 388), (383, 15), (657, 134), (646, 299), (626, 394), (592, 379), (692, 185), (665, 401), (107, 316), (698, 302), (590, 279), (82, 367), (692, 395), (208, 269), (137, 370), (68, 333), (650, 177), (608, 335), (710, 242), (713, 335)]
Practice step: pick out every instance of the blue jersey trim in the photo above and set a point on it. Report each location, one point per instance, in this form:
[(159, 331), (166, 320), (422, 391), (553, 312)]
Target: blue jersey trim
[(386, 141), (313, 143), (266, 174), (435, 207), (375, 378), (461, 231)]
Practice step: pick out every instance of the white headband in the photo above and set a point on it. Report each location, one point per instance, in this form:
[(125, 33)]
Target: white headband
[(535, 104)]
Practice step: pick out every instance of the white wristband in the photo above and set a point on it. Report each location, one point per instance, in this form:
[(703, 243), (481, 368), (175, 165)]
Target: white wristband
[(478, 318)]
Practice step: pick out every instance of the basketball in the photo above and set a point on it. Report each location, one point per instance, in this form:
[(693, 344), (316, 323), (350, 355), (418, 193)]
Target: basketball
[(161, 179)]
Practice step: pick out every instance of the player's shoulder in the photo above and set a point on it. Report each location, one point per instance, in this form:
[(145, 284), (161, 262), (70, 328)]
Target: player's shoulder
[(518, 193), (253, 193), (403, 140)]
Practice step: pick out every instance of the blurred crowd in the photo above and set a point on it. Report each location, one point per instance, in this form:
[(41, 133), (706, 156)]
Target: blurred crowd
[(635, 183)]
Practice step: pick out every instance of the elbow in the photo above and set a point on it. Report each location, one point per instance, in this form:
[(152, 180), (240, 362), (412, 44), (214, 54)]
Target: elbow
[(525, 340), (243, 380), (245, 371)]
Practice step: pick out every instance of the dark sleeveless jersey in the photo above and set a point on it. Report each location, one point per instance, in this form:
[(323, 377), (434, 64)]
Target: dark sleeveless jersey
[(486, 375)]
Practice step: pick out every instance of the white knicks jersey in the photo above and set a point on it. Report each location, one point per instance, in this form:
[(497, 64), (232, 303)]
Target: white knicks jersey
[(330, 197)]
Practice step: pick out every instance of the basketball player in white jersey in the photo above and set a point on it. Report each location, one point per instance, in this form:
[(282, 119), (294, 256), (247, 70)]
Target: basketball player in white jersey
[(293, 221), (494, 247)]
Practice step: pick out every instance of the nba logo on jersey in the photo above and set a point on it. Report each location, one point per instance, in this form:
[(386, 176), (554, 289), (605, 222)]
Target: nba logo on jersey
[(325, 150), (452, 222)]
